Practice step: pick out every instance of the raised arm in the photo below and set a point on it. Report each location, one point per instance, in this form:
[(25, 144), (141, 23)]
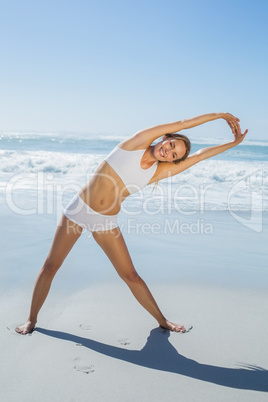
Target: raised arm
[(147, 136), (170, 169), (204, 118)]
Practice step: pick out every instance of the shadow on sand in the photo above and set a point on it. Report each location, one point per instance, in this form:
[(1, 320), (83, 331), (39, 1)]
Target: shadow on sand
[(159, 354)]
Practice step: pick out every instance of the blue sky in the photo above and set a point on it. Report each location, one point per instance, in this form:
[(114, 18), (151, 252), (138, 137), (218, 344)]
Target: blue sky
[(118, 66)]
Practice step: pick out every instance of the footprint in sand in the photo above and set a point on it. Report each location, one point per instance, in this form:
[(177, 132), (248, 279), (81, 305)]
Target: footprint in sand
[(86, 327), (124, 341), (83, 366)]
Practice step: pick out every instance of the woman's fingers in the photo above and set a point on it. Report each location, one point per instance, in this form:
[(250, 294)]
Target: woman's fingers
[(238, 129), (229, 116), (235, 126), (240, 137), (232, 125)]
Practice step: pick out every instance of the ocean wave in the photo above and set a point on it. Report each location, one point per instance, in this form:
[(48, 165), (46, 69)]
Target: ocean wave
[(211, 184), (222, 140), (86, 135), (74, 147), (54, 162), (214, 171), (208, 171), (59, 135)]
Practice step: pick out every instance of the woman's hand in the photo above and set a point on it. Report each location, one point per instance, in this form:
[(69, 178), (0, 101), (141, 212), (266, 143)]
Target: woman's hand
[(239, 137), (233, 122)]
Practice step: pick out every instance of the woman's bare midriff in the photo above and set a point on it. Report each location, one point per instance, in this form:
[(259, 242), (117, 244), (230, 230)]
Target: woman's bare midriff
[(105, 191)]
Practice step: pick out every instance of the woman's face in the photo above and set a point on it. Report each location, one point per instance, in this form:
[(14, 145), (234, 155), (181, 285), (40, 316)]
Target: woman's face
[(169, 149)]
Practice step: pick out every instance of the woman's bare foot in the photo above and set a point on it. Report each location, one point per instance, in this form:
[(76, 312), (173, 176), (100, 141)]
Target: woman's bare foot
[(172, 327), (26, 328)]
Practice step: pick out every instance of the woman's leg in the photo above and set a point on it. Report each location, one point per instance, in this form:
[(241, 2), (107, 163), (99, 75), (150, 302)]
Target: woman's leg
[(66, 235), (113, 244)]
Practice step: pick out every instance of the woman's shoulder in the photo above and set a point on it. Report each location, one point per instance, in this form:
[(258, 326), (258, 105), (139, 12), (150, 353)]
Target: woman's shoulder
[(133, 143)]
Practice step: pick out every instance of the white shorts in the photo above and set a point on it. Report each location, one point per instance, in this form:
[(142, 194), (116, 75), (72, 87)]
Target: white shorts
[(81, 214)]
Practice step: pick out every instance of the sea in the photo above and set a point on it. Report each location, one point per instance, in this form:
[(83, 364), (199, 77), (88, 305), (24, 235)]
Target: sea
[(53, 166), (214, 214)]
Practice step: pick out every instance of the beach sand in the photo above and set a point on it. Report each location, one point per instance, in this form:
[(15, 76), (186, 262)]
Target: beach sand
[(94, 342)]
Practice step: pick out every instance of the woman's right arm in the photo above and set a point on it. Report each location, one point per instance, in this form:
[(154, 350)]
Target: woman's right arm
[(204, 118), (147, 136), (170, 169)]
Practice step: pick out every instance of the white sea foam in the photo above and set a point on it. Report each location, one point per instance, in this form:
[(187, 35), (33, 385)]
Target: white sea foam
[(49, 162), (66, 161), (205, 186), (59, 163)]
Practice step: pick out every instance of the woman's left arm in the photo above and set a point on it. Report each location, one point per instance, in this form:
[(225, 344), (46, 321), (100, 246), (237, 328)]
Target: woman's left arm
[(170, 169)]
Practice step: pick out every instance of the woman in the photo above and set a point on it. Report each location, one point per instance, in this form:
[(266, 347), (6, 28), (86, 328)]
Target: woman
[(133, 164)]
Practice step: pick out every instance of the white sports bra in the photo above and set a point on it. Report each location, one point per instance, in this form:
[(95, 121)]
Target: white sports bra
[(127, 165)]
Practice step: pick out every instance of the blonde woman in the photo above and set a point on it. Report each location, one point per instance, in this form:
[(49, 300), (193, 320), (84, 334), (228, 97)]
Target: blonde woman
[(132, 165)]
